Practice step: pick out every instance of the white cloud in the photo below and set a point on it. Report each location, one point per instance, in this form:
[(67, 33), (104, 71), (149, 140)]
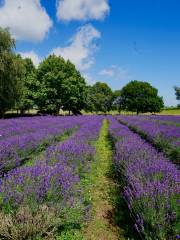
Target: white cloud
[(26, 19), (80, 48), (115, 72), (68, 10), (107, 72), (89, 79), (33, 56)]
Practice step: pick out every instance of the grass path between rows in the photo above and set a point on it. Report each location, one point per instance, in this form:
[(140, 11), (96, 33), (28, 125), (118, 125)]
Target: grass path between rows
[(102, 226)]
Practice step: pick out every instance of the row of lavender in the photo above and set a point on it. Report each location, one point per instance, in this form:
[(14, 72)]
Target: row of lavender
[(21, 137), (165, 137), (19, 126), (151, 184), (51, 190), (166, 119)]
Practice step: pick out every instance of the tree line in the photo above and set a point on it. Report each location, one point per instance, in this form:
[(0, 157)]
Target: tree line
[(56, 84), (177, 93)]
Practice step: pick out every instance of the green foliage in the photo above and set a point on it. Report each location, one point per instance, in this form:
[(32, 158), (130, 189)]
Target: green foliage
[(17, 77), (60, 85), (177, 92), (56, 84), (71, 235), (117, 101), (141, 97), (73, 89), (6, 42), (30, 68), (11, 72), (116, 94), (99, 98), (28, 87)]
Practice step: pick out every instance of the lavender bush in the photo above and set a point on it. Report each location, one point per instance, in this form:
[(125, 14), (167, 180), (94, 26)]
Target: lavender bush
[(165, 137), (16, 148), (151, 184), (166, 119), (55, 181)]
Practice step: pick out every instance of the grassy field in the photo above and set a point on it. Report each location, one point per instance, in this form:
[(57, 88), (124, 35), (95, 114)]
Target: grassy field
[(173, 111)]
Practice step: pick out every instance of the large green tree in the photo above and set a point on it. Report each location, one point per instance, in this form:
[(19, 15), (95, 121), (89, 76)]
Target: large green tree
[(99, 98), (59, 86), (11, 72), (73, 89), (28, 89), (141, 97)]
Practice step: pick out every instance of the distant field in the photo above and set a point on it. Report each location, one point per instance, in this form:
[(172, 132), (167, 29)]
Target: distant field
[(174, 111), (171, 111)]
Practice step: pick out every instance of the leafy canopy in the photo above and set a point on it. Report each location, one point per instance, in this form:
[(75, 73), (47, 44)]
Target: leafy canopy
[(177, 92), (11, 72), (141, 97), (60, 85), (99, 98), (28, 86)]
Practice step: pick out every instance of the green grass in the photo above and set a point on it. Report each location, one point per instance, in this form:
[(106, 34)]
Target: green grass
[(71, 235), (173, 111), (102, 225)]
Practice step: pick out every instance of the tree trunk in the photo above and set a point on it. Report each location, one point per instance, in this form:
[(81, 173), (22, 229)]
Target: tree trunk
[(57, 111), (2, 114), (22, 111)]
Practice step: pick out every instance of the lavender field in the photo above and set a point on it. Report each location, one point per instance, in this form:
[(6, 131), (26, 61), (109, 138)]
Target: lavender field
[(90, 177), (89, 120)]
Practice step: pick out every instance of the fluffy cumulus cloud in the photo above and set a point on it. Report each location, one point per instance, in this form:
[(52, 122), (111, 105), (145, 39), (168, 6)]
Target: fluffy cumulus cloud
[(115, 72), (33, 56), (26, 19), (81, 47), (68, 10)]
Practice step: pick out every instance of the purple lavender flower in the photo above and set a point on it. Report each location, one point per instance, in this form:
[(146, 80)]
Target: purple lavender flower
[(151, 187), (55, 180)]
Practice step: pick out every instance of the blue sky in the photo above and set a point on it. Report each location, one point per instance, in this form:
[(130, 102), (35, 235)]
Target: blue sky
[(113, 41)]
